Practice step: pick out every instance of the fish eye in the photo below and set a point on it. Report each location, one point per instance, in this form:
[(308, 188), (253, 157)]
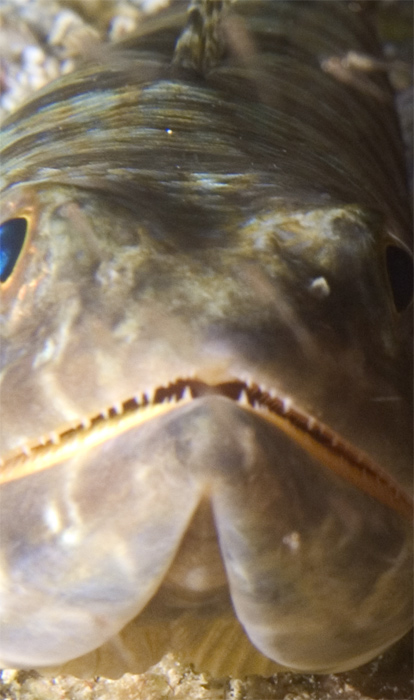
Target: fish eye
[(400, 276), (12, 237)]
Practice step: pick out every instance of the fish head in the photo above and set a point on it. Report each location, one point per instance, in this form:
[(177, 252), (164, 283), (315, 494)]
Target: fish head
[(189, 318)]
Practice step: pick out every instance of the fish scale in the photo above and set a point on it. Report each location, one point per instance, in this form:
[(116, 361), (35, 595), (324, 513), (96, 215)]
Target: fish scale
[(205, 395)]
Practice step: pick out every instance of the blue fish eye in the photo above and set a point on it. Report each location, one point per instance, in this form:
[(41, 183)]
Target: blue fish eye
[(12, 236)]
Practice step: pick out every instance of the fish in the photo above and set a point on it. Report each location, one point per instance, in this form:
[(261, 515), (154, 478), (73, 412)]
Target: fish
[(206, 324)]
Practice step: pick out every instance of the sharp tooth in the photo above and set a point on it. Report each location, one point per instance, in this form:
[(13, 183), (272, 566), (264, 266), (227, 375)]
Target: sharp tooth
[(311, 422), (286, 405), (26, 450), (85, 423), (54, 438), (246, 379), (186, 394), (117, 407), (105, 413), (243, 398), (150, 395)]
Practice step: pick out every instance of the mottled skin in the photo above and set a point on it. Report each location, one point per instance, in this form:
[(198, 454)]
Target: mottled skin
[(221, 212)]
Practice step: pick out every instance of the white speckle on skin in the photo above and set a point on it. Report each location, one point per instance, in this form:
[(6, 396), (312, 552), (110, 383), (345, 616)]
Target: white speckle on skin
[(197, 579), (292, 541), (52, 518), (33, 55), (46, 353), (319, 288), (71, 536), (124, 23)]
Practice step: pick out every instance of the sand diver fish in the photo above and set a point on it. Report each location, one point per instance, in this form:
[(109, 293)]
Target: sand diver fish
[(205, 352)]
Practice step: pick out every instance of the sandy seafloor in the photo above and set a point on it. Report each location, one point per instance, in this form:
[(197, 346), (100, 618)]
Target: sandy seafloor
[(40, 40)]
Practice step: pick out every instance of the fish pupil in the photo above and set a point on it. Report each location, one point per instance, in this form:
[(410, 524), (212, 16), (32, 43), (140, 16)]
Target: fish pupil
[(400, 276), (12, 237)]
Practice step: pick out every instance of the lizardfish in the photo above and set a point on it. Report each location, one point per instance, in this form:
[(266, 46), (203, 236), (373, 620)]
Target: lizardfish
[(206, 293)]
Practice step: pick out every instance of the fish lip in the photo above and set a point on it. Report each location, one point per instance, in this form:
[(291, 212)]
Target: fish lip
[(306, 430)]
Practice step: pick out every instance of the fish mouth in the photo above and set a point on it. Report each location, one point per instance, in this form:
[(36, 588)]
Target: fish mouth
[(316, 438)]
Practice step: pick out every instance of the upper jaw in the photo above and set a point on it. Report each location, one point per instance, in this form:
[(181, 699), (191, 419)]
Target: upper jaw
[(317, 439)]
